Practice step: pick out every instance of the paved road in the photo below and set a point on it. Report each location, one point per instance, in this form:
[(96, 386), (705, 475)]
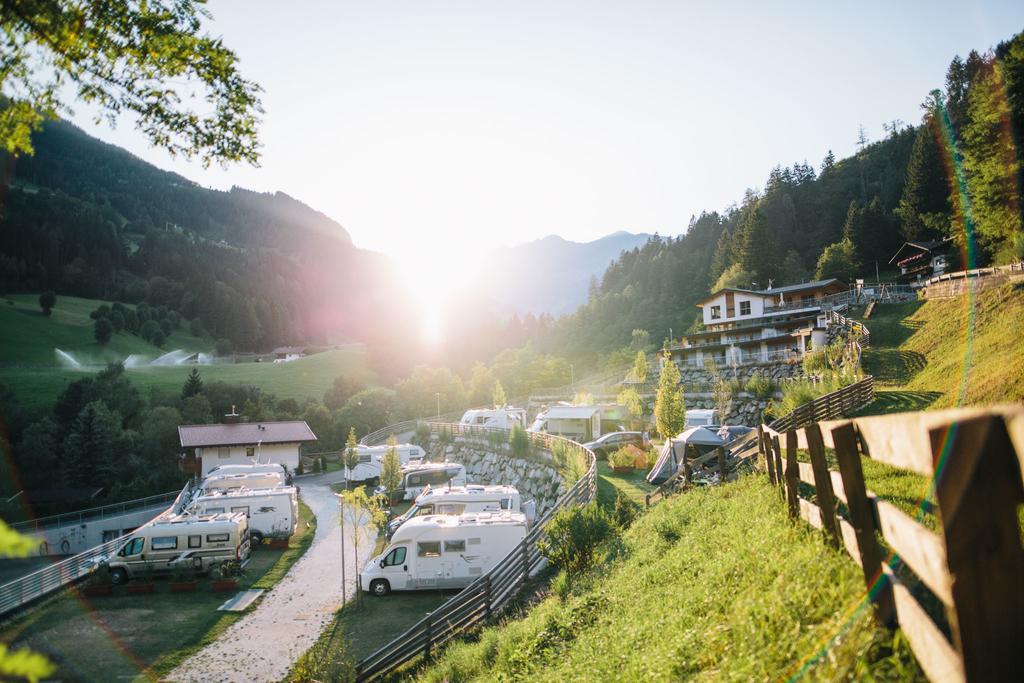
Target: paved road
[(264, 644)]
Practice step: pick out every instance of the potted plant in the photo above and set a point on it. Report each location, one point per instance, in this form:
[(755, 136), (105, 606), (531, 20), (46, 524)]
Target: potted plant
[(183, 580), (145, 585), (226, 576), (622, 461), (98, 582)]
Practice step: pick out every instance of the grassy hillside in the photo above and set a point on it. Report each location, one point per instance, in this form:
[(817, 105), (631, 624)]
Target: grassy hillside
[(945, 352), (29, 337), (713, 585)]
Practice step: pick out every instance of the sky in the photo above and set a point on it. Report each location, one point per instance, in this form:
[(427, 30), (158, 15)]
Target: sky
[(432, 130)]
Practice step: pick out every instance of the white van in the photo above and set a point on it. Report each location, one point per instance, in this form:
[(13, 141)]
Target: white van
[(459, 500), (371, 460), (503, 417), (181, 542), (272, 513), (700, 417), (443, 551), (251, 480), (417, 476)]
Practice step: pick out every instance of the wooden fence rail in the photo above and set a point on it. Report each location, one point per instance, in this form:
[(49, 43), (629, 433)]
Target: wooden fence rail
[(491, 592), (973, 566)]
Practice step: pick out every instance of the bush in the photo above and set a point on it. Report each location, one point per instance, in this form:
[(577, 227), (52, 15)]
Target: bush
[(495, 439), (316, 466), (760, 386), (422, 435), (624, 457), (47, 300), (626, 511), (519, 440), (573, 536), (102, 330)]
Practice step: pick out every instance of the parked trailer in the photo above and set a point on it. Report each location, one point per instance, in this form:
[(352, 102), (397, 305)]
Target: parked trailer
[(442, 551), (503, 418), (371, 460), (458, 500), (251, 480), (251, 469), (418, 475), (181, 542), (272, 513)]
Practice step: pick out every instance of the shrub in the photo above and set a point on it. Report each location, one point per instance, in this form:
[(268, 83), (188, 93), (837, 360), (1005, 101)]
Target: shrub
[(422, 435), (519, 440), (47, 300), (573, 536), (760, 386), (316, 465), (626, 511), (624, 457), (495, 439)]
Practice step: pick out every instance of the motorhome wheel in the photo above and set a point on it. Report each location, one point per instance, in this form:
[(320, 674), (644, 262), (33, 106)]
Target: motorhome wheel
[(118, 576), (380, 587), (256, 537)]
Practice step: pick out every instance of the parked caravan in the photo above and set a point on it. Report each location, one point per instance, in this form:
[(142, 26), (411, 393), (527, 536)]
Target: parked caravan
[(272, 513), (694, 442), (443, 551), (417, 476), (371, 460), (503, 418), (581, 423), (252, 480), (251, 469), (700, 417), (458, 500), (182, 542)]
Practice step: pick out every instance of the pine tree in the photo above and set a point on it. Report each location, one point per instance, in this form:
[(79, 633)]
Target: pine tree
[(193, 384), (669, 405), (90, 450), (924, 209), (757, 249)]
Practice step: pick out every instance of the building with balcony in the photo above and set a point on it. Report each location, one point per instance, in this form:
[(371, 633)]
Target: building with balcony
[(777, 324), (922, 259)]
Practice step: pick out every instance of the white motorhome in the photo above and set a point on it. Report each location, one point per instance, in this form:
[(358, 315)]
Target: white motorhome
[(181, 542), (459, 500), (443, 551), (272, 513), (503, 418), (252, 480), (371, 460), (699, 417), (251, 469), (418, 475)]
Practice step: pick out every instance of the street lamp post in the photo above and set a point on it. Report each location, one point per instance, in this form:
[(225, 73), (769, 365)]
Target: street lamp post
[(437, 395), (572, 376), (342, 526)]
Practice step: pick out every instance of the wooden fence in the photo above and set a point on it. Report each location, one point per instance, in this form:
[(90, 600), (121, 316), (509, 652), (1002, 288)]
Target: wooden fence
[(974, 565), (489, 594)]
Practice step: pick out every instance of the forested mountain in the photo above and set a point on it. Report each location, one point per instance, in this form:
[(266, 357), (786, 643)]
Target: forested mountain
[(86, 218), (550, 275), (959, 174)]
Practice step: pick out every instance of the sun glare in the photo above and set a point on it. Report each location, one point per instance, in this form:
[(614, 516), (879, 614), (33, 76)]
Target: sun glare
[(435, 276)]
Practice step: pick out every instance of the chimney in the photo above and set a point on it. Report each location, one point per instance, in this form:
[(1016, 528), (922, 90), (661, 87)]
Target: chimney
[(233, 417)]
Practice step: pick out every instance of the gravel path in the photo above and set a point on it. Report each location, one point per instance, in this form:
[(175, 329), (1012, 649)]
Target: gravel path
[(263, 645)]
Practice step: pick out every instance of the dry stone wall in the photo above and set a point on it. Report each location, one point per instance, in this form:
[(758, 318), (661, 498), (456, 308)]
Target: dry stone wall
[(535, 476)]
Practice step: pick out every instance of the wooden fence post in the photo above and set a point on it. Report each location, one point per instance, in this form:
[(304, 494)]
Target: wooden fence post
[(792, 475), (722, 471), (978, 490), (777, 457), (863, 520), (760, 444), (487, 596), (429, 637), (823, 483)]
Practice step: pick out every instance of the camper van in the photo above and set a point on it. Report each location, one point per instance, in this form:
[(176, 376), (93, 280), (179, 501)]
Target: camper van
[(251, 469), (181, 542), (272, 513), (443, 551), (417, 476), (371, 460), (699, 417), (458, 500), (252, 480), (503, 418)]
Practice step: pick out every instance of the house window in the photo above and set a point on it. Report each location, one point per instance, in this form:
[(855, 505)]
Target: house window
[(716, 312), (744, 308), (455, 546), (250, 451), (223, 452), (195, 541), (428, 549)]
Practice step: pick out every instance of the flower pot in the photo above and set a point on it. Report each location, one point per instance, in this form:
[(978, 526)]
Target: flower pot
[(183, 586), (622, 470), (98, 589), (225, 585), (141, 588)]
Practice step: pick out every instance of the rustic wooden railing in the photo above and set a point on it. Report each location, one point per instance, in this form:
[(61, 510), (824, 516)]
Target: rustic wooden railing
[(975, 563), (489, 594)]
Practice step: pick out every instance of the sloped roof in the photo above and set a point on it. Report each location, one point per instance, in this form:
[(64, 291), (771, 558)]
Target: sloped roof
[(813, 284), (571, 412), (245, 433), (923, 245)]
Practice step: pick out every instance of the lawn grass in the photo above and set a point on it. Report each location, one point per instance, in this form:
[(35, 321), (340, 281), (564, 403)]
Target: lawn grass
[(124, 636), (308, 377), (947, 352), (610, 483), (716, 584)]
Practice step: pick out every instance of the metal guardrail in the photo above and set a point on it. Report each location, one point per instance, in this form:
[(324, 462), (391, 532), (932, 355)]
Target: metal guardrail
[(487, 595), (15, 594), (101, 512)]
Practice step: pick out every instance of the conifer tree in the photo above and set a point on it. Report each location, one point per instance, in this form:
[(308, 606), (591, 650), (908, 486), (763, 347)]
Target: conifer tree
[(193, 384), (924, 209)]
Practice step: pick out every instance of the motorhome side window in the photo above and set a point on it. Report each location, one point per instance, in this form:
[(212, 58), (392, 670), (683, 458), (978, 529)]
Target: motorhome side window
[(395, 557), (455, 546), (425, 510), (216, 538), (364, 457), (214, 511), (164, 543), (428, 549), (450, 508), (195, 541), (241, 508), (132, 547), (506, 503), (415, 480)]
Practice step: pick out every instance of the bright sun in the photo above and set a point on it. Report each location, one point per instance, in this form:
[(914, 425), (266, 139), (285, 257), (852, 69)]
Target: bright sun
[(434, 275)]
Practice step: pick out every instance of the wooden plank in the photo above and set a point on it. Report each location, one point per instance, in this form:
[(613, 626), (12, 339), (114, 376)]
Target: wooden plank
[(806, 472), (823, 484), (810, 513), (838, 487), (869, 555), (936, 656), (849, 537), (922, 550), (792, 475), (979, 489), (777, 463)]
